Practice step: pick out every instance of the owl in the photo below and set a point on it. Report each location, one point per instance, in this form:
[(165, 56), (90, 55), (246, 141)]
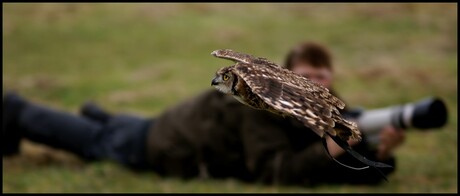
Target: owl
[(264, 85)]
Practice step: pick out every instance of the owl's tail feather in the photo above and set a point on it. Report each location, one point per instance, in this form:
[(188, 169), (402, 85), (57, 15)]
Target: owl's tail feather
[(358, 156)]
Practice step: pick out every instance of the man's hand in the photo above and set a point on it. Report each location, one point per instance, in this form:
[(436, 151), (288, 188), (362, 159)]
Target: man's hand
[(334, 149), (390, 138)]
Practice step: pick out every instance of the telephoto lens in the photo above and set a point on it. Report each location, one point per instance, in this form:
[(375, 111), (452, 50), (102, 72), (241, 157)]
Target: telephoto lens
[(426, 114)]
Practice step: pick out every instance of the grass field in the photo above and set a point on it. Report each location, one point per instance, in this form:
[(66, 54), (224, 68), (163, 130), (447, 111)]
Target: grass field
[(144, 58)]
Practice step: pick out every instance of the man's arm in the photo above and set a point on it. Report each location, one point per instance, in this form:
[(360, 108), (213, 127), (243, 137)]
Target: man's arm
[(271, 158)]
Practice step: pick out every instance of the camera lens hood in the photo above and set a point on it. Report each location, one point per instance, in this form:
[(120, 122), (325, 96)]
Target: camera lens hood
[(429, 113)]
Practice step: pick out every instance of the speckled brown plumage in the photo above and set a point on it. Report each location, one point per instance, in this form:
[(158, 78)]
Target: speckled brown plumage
[(264, 85)]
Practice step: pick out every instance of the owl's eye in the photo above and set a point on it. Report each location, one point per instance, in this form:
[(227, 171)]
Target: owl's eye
[(225, 77)]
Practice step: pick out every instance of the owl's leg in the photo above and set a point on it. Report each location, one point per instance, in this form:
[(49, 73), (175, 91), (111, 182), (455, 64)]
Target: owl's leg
[(327, 150), (361, 158)]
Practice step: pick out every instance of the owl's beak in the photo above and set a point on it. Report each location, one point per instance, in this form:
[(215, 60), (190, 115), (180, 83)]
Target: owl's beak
[(214, 81)]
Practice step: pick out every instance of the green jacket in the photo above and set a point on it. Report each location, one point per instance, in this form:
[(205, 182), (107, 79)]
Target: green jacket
[(213, 135)]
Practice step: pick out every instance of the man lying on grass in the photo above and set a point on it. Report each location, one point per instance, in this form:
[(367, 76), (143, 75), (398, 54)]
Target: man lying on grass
[(210, 135)]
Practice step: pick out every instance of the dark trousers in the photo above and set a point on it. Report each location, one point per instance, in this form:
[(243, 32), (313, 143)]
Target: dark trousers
[(121, 138)]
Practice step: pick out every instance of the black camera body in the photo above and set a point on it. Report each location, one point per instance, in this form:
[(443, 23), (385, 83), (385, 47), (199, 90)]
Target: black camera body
[(423, 115)]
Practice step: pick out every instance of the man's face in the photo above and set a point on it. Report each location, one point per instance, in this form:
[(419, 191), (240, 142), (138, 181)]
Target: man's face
[(321, 75)]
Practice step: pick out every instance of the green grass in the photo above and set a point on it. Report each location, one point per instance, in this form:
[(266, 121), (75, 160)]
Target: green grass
[(144, 58)]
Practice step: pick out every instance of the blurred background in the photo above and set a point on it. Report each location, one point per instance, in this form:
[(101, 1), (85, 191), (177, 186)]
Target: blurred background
[(143, 58)]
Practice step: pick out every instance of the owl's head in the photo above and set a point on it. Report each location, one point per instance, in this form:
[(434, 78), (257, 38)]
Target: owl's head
[(225, 80)]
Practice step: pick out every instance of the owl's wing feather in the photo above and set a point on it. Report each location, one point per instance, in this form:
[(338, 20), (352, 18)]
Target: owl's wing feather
[(239, 57), (316, 91), (287, 98)]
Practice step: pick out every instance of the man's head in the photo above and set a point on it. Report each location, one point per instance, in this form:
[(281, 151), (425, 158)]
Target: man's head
[(311, 60)]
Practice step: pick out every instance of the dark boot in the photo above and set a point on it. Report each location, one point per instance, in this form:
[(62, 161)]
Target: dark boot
[(11, 132), (94, 112)]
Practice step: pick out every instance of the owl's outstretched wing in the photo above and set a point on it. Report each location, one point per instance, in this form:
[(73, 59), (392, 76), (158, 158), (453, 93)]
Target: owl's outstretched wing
[(287, 98)]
